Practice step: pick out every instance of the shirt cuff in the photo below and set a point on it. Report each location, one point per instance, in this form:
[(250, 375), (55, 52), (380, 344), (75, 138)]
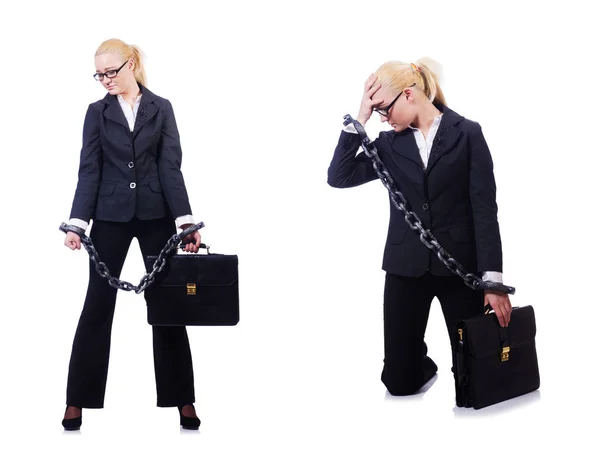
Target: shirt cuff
[(183, 220), (350, 128), (78, 222), (492, 276)]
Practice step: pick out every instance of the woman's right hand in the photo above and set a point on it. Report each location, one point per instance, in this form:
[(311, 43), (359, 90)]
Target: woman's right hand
[(367, 104), (72, 240)]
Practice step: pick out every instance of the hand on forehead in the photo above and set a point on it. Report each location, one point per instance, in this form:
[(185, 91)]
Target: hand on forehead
[(384, 93)]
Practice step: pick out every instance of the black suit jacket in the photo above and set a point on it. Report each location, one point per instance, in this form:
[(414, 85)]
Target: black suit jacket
[(455, 196), (123, 174)]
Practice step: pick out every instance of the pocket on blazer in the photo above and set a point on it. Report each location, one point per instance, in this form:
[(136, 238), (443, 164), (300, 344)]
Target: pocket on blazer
[(460, 234), (398, 236), (106, 189), (155, 186)]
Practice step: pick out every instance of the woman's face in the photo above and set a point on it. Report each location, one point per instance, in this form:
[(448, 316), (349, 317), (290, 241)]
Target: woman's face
[(111, 63), (402, 111)]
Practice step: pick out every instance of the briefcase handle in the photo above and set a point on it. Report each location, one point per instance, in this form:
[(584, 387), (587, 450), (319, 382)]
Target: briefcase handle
[(186, 232), (488, 309), (202, 246)]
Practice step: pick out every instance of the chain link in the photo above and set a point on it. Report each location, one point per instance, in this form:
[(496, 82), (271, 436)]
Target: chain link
[(413, 221), (148, 278)]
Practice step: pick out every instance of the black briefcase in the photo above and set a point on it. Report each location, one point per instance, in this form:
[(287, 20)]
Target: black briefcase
[(194, 289), (493, 363)]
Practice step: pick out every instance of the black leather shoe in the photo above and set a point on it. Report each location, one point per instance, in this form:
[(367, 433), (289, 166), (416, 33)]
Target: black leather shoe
[(73, 423), (188, 423)]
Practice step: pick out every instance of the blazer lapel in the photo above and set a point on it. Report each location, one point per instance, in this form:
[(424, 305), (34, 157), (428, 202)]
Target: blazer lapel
[(114, 112), (146, 111), (446, 136), (403, 143)]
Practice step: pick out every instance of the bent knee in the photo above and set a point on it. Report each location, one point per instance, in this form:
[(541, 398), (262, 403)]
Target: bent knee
[(403, 388)]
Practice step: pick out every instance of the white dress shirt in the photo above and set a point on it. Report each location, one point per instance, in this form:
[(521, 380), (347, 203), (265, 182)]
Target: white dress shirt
[(130, 114), (424, 145)]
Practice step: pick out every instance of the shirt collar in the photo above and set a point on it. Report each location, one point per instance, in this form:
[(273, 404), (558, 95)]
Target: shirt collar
[(436, 122), (123, 101)]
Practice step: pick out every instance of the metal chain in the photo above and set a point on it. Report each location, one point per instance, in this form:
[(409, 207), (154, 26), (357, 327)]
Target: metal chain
[(413, 221), (148, 278)]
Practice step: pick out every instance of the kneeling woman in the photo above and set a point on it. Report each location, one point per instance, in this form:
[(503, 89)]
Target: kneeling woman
[(440, 162)]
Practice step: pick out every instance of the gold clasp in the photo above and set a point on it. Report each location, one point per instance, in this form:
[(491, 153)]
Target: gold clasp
[(504, 353), (191, 289), (460, 333)]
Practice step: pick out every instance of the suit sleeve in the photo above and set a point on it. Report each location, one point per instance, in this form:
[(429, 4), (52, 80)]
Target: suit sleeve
[(90, 167), (482, 189), (169, 166), (347, 169)]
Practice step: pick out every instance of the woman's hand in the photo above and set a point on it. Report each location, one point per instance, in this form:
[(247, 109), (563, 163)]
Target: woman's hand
[(367, 104), (192, 241), (500, 303), (72, 240)]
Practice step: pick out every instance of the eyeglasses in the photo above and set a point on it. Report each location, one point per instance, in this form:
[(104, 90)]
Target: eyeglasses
[(386, 111), (109, 74)]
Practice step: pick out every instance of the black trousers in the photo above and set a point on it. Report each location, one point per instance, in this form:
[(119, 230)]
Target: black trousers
[(407, 301), (88, 366)]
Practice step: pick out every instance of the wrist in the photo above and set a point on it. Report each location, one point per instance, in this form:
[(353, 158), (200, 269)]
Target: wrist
[(494, 292)]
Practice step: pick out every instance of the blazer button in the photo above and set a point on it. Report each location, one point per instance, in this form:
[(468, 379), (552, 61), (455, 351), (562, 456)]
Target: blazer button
[(130, 165), (132, 185), (425, 206)]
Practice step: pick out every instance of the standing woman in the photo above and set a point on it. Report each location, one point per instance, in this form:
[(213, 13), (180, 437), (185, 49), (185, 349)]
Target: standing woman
[(130, 184), (440, 162)]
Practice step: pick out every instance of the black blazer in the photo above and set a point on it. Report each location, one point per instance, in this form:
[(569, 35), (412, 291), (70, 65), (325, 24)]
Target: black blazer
[(123, 174), (455, 197)]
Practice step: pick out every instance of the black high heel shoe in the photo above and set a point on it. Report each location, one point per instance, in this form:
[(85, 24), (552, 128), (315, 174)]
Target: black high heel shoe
[(186, 422), (73, 423)]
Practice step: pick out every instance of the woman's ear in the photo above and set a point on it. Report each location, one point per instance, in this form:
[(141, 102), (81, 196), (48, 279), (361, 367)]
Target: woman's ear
[(409, 94)]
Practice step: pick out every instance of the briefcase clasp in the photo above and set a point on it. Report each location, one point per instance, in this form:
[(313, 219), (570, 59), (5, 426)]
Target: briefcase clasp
[(191, 288), (504, 354)]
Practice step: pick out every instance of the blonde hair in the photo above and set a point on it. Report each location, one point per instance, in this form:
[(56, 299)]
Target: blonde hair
[(423, 73), (114, 45)]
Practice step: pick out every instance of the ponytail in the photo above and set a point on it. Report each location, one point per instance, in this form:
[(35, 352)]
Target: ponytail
[(140, 71), (429, 71)]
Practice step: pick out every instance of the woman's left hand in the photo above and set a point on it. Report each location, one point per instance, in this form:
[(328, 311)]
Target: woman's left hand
[(192, 241), (500, 303)]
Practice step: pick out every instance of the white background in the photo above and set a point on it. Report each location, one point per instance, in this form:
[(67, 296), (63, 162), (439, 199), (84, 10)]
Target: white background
[(259, 91)]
